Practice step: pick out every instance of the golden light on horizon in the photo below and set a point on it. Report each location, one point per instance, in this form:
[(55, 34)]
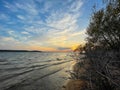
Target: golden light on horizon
[(74, 47), (71, 46)]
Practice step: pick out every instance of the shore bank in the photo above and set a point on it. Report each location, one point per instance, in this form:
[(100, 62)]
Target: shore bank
[(79, 77), (89, 74)]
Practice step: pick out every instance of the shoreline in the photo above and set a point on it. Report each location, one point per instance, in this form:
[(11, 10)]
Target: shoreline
[(78, 80), (85, 75)]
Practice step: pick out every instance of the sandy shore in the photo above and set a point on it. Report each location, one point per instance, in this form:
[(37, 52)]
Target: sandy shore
[(75, 85), (78, 79)]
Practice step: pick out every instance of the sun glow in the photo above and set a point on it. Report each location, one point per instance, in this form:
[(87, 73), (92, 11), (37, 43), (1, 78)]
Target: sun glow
[(74, 46)]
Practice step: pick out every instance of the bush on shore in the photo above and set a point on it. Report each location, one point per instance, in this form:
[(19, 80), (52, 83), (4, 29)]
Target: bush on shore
[(102, 49)]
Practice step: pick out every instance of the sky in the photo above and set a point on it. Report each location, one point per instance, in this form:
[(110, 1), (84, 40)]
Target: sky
[(47, 25)]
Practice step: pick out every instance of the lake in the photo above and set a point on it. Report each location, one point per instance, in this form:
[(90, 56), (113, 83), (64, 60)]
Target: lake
[(34, 70)]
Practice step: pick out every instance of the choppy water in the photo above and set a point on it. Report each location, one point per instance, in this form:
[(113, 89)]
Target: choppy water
[(33, 70)]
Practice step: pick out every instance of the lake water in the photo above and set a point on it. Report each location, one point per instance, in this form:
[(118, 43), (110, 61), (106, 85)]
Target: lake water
[(34, 70)]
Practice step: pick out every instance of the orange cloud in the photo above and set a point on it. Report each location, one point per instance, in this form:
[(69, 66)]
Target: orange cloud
[(41, 48)]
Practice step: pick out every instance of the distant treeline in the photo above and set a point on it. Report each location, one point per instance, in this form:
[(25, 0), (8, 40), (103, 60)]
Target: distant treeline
[(19, 51)]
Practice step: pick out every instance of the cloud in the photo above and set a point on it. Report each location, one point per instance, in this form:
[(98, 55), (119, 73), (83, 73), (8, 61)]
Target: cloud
[(21, 37), (59, 28), (26, 33), (8, 43), (3, 16), (63, 48), (46, 7), (21, 17), (61, 21), (75, 7), (45, 24), (10, 6), (82, 32), (27, 6), (12, 33), (7, 39)]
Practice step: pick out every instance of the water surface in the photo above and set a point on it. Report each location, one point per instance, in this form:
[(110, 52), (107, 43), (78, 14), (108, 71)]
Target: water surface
[(34, 70)]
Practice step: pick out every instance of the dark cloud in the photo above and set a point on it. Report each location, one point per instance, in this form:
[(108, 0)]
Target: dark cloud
[(63, 48)]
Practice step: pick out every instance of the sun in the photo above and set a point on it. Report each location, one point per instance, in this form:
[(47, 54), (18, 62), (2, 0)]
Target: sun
[(74, 47)]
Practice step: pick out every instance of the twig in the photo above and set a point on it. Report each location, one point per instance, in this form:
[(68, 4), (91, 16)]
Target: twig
[(108, 78)]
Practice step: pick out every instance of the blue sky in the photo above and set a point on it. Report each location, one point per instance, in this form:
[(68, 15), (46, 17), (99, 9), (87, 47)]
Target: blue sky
[(44, 24)]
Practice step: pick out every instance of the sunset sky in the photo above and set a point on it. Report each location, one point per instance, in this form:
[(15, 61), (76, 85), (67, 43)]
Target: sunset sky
[(46, 25)]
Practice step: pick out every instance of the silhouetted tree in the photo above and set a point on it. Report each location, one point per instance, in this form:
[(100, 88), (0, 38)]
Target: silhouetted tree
[(104, 27), (103, 46)]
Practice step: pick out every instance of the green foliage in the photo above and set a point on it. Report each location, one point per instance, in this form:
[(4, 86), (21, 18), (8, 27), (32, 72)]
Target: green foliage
[(104, 27), (103, 46)]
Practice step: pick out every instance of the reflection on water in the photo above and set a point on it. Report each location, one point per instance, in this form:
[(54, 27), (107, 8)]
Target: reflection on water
[(33, 70)]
